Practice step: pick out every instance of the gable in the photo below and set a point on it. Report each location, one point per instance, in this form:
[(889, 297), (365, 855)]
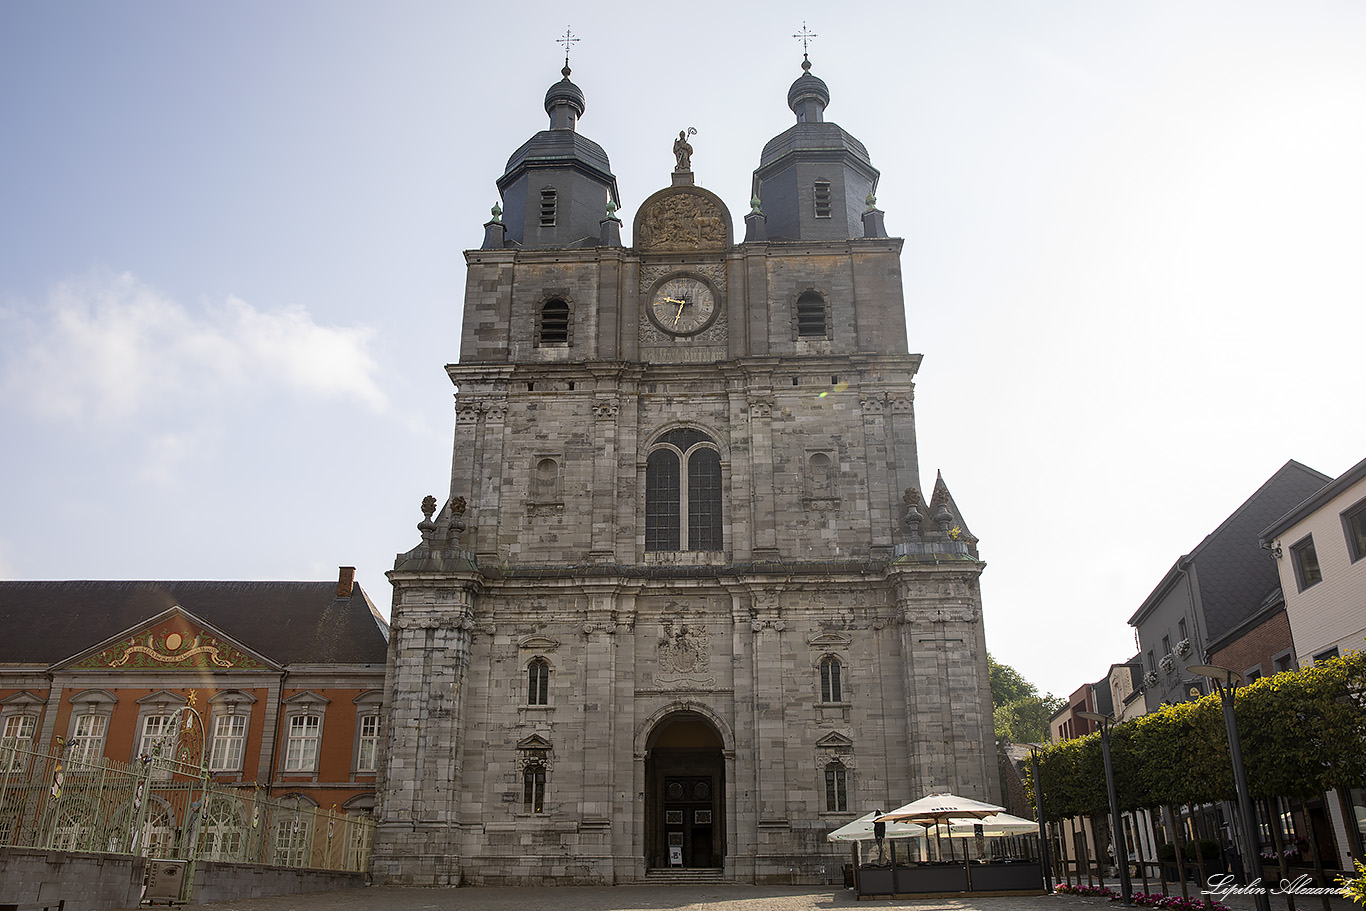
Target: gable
[(173, 640), (834, 740)]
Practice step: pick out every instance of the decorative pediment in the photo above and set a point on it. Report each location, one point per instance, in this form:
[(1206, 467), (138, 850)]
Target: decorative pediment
[(173, 640), (835, 741), (538, 643), (94, 697), (307, 697), (163, 698), (829, 640), (370, 697), (22, 698), (534, 742), (231, 698)]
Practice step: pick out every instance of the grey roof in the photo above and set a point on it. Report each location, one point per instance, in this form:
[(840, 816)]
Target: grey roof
[(821, 136), (1311, 503), (566, 92), (808, 86), (560, 146), (287, 622), (1233, 571)]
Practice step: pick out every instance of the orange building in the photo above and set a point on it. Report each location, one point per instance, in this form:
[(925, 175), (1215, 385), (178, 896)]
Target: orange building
[(286, 679)]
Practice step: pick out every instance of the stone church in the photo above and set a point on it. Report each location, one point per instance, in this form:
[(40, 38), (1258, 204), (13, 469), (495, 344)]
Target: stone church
[(687, 604)]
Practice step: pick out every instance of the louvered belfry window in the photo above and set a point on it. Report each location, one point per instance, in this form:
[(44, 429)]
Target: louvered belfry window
[(811, 315), (823, 209), (548, 202), (554, 322)]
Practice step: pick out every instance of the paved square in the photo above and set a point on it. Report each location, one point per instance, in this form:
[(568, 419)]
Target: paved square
[(677, 898)]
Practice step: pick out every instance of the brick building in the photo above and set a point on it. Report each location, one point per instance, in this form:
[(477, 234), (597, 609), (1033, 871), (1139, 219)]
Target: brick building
[(685, 604), (286, 677)]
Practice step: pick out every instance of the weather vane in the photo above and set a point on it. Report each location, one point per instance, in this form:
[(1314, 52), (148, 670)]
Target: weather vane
[(568, 40), (806, 35)]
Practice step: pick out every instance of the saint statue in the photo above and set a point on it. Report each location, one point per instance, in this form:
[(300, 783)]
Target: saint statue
[(683, 152)]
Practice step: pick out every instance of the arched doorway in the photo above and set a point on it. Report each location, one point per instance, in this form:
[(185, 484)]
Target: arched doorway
[(685, 785)]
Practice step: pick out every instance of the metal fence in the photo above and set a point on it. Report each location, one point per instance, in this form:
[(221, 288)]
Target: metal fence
[(168, 809)]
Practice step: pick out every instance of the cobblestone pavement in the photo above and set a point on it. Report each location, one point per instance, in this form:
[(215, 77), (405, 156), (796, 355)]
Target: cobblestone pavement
[(678, 898)]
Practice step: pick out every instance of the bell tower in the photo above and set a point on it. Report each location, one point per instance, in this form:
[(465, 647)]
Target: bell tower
[(684, 591)]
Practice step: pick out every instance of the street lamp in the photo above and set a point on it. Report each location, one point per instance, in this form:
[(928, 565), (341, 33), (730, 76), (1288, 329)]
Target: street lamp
[(1225, 681), (1126, 889)]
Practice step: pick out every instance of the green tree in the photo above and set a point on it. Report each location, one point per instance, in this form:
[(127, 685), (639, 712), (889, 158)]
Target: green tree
[(1007, 684), (1019, 712)]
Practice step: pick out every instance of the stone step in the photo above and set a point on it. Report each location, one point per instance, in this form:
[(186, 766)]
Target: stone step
[(686, 876)]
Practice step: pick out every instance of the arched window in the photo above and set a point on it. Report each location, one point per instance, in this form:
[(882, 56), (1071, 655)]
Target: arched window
[(831, 688), (533, 786), (683, 509), (836, 787), (548, 207), (538, 682), (554, 322), (811, 315)]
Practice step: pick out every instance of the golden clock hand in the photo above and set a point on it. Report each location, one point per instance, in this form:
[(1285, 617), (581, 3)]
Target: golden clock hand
[(679, 315)]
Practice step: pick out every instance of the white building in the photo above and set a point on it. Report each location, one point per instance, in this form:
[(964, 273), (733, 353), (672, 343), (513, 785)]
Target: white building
[(1320, 549)]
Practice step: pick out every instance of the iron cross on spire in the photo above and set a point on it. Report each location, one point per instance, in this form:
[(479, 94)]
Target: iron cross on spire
[(806, 35), (568, 40)]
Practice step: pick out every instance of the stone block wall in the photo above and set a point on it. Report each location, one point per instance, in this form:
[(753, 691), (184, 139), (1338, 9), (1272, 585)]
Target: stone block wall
[(99, 882)]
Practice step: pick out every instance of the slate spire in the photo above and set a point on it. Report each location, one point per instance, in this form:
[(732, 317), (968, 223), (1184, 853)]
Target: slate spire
[(558, 184), (815, 179)]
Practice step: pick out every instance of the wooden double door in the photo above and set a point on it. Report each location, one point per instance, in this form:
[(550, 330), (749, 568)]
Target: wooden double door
[(685, 826)]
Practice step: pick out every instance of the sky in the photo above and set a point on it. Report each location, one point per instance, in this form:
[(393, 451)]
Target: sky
[(231, 264)]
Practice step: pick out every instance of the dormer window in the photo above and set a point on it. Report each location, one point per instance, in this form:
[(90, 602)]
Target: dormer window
[(823, 209), (548, 202)]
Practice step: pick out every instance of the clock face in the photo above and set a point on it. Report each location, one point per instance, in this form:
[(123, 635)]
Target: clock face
[(683, 305)]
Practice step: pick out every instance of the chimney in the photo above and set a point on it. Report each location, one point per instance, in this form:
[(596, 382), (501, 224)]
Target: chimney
[(346, 581)]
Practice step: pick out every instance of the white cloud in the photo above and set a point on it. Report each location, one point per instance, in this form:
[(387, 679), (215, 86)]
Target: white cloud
[(111, 348)]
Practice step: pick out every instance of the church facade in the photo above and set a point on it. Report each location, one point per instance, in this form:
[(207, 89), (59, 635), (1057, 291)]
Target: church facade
[(686, 605)]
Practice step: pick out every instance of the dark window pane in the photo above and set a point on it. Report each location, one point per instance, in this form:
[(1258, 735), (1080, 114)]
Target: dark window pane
[(533, 788), (704, 500), (1306, 559), (1356, 533), (830, 680), (662, 529), (538, 683), (684, 438), (836, 788)]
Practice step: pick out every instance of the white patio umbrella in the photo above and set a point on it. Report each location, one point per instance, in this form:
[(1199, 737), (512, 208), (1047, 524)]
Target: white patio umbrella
[(937, 809), (995, 825), (861, 829)]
